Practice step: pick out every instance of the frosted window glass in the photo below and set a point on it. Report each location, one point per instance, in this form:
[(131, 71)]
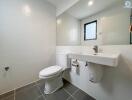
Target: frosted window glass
[(90, 31)]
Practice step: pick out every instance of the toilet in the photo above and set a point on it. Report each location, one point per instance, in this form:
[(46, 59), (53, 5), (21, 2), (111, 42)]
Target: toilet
[(53, 78), (53, 75)]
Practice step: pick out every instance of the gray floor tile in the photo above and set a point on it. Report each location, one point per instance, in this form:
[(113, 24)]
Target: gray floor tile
[(41, 85), (11, 97), (26, 87), (69, 87), (7, 96), (58, 95), (71, 98), (31, 93), (35, 91), (40, 81), (40, 98), (80, 95)]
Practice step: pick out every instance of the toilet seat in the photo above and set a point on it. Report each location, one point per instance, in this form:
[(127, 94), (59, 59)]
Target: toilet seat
[(50, 71)]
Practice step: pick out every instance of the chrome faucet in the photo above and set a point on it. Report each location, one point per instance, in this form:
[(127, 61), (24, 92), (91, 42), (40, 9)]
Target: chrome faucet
[(95, 48)]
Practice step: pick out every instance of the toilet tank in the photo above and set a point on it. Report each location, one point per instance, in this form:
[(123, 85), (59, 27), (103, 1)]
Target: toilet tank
[(61, 60)]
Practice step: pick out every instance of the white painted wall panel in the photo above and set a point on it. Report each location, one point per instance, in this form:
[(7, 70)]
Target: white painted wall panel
[(27, 41)]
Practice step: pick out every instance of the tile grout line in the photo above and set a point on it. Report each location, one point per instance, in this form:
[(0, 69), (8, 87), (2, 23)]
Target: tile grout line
[(14, 94), (68, 94), (39, 90), (42, 94), (75, 93), (39, 96), (71, 95)]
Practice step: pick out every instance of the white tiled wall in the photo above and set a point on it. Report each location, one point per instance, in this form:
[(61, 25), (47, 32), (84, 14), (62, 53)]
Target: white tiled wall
[(116, 83)]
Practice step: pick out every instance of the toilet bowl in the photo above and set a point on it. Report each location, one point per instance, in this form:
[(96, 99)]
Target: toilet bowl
[(53, 78)]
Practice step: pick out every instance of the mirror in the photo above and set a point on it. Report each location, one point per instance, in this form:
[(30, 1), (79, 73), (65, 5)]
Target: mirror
[(96, 22)]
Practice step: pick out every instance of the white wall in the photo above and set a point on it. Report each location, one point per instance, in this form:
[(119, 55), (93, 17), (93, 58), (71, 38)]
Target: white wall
[(116, 83), (27, 41), (112, 26), (62, 6), (68, 30)]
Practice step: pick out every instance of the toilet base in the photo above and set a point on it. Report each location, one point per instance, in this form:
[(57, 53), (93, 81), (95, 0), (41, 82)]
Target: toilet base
[(53, 84)]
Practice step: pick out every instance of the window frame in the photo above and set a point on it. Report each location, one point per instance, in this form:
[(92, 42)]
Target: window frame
[(95, 21)]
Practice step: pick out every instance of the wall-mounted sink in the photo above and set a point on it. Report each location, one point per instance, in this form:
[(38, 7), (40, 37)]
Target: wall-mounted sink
[(94, 63), (99, 58)]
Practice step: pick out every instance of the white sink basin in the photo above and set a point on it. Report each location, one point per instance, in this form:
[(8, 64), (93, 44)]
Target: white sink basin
[(99, 58)]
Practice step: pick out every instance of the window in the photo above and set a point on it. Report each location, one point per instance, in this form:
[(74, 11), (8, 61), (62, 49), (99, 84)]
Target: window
[(90, 30)]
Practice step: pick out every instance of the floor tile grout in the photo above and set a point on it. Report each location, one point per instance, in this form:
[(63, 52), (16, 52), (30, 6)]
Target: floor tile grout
[(68, 94), (40, 90), (14, 94), (66, 91), (69, 98), (39, 96), (75, 93), (71, 95)]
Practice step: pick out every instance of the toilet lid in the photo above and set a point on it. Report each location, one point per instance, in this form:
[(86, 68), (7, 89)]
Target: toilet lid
[(50, 70)]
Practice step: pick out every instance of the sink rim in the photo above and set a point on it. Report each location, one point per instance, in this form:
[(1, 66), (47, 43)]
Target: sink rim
[(108, 59), (107, 55)]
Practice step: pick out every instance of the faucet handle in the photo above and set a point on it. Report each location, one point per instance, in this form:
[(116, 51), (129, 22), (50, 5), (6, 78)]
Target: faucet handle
[(95, 48)]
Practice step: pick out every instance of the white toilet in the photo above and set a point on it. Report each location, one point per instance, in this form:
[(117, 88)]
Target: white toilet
[(53, 74), (53, 78)]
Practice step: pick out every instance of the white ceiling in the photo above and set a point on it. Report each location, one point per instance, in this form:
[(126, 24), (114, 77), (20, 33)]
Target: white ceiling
[(81, 10), (62, 5)]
